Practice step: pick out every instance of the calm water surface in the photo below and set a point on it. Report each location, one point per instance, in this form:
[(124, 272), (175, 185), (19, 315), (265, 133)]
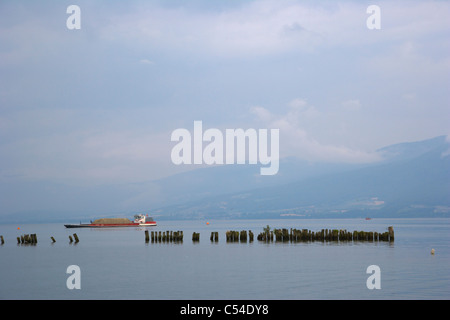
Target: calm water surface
[(118, 264)]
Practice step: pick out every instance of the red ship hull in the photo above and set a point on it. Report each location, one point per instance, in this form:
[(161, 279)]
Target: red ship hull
[(92, 225)]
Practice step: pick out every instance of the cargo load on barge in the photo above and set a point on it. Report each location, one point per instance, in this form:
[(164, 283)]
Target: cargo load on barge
[(140, 220)]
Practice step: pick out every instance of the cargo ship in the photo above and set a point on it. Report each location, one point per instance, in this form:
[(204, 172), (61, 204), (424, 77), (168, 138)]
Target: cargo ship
[(140, 220)]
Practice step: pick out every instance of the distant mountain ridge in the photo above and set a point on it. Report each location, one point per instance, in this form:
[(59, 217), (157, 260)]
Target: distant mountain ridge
[(412, 181), (409, 150)]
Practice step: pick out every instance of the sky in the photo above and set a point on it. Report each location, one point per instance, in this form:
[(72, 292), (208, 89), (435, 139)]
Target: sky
[(97, 105)]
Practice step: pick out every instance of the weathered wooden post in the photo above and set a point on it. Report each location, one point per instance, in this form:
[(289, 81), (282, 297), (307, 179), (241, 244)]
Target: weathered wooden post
[(391, 233), (53, 239), (2, 240), (243, 236), (146, 236), (304, 234), (70, 239), (250, 234), (76, 238), (196, 237)]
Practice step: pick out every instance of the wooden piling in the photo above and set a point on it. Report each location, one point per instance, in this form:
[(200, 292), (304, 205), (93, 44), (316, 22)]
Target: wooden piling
[(168, 236), (53, 239), (195, 237), (70, 239), (243, 236), (214, 236), (76, 238), (32, 238), (391, 233), (2, 241)]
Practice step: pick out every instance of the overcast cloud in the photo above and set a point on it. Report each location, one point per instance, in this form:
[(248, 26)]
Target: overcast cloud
[(98, 105)]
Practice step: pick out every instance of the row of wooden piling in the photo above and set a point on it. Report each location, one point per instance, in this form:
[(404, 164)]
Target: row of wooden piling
[(280, 235), (242, 236), (32, 239), (305, 235), (26, 239), (165, 236)]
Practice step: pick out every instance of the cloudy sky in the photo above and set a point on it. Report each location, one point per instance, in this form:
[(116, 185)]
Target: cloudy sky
[(97, 105)]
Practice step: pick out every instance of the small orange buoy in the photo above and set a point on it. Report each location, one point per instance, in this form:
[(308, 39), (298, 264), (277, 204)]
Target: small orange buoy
[(207, 223), (18, 228)]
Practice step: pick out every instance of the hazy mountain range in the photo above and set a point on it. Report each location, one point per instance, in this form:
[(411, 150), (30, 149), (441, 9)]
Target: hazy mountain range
[(413, 180)]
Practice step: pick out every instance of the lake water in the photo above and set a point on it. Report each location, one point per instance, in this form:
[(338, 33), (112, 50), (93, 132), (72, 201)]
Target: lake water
[(116, 263)]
